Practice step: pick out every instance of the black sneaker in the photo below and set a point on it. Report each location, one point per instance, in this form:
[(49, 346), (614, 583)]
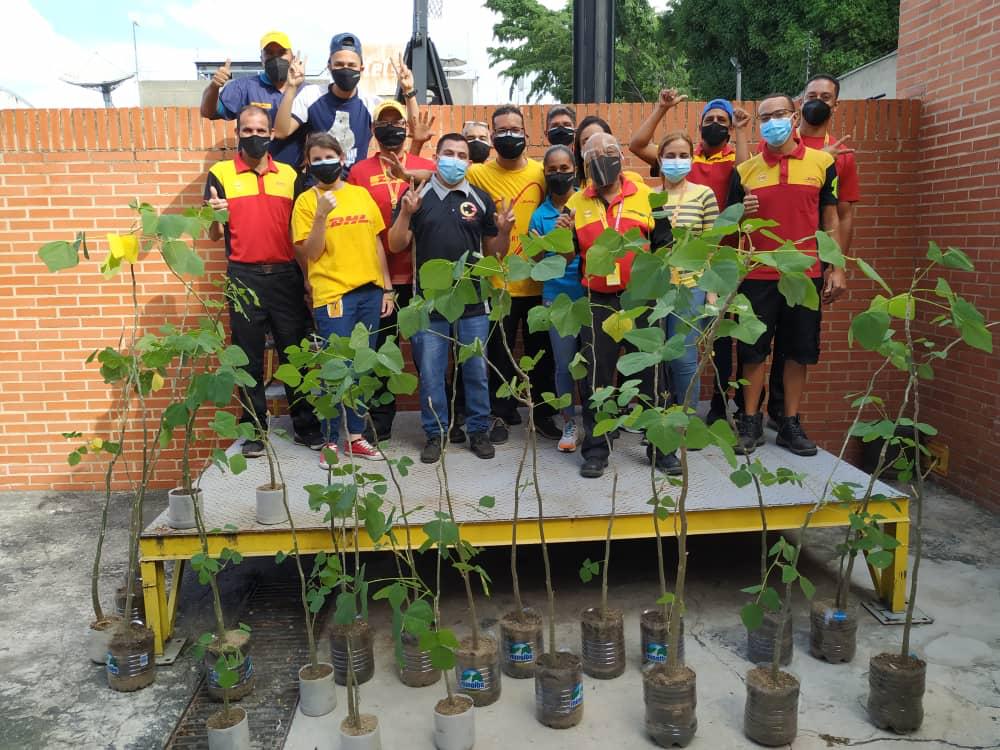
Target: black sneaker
[(546, 427), (792, 437), (456, 434), (383, 436), (593, 468), (513, 418), (750, 433), (668, 463), (432, 450), (717, 411), (479, 443), (499, 434), (252, 449), (313, 442)]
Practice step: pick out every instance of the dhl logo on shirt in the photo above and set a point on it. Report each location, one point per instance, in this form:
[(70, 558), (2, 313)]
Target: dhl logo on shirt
[(382, 179), (262, 105), (337, 221)]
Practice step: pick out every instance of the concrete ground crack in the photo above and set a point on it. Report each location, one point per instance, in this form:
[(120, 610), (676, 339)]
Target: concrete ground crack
[(833, 741), (701, 642)]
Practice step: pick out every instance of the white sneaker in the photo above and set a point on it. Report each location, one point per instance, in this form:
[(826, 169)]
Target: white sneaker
[(567, 443), (322, 457)]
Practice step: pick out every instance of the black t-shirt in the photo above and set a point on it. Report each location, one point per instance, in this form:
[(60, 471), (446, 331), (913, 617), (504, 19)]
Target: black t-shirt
[(450, 223)]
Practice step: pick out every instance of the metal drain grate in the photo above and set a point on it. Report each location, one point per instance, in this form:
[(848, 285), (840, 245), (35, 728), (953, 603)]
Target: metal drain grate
[(278, 646)]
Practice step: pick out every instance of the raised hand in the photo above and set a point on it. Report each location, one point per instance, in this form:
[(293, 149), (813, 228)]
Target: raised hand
[(222, 75), (296, 72), (325, 203), (394, 165), (411, 200), (750, 204), (215, 202), (741, 118), (669, 98), (422, 127), (403, 74), (504, 217), (835, 149), (566, 221)]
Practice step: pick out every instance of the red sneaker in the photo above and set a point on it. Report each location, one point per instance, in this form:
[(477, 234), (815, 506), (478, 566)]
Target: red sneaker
[(323, 464), (361, 448)]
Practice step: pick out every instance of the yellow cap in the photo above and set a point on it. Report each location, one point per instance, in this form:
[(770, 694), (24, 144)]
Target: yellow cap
[(276, 37), (392, 104)]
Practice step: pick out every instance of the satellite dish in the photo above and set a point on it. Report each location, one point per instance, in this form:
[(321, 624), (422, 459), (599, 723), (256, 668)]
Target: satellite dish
[(11, 99), (97, 74)]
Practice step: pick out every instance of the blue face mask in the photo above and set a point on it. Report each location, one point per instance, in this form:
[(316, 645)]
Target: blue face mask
[(452, 170), (776, 131), (675, 170)]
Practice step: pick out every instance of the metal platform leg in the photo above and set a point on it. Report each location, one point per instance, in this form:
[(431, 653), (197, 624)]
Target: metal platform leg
[(890, 583), (174, 598), (155, 598)]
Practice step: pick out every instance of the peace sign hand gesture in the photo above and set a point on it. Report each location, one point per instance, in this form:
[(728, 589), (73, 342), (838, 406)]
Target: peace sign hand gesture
[(296, 72), (504, 217), (403, 74), (411, 200)]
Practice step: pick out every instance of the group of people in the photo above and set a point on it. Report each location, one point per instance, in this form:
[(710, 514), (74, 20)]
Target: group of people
[(312, 217)]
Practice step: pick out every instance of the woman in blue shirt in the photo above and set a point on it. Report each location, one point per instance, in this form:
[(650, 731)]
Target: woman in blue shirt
[(560, 184)]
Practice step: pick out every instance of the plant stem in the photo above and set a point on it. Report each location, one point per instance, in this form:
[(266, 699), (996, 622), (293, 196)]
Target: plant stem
[(918, 493), (549, 591), (607, 547)]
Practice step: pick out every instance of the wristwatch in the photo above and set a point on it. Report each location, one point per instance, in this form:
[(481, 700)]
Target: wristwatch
[(409, 94)]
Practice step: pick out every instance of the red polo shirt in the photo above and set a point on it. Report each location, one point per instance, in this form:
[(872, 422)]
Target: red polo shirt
[(847, 187), (713, 170)]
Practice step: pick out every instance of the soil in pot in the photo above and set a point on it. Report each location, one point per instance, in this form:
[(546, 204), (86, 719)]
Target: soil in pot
[(478, 670), (416, 669), (99, 636), (832, 632), (456, 707), (362, 651), (222, 720), (237, 639), (180, 508), (760, 642), (131, 662), (771, 716), (896, 692), (454, 724), (603, 642), (559, 690), (317, 696), (671, 701), (655, 637), (521, 642), (360, 735)]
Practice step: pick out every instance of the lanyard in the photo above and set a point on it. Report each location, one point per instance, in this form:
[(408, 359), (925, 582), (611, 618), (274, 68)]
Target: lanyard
[(618, 218), (392, 184)]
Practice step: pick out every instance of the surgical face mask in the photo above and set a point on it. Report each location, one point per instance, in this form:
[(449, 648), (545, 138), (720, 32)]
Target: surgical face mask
[(605, 169), (254, 146), (276, 70), (390, 136), (479, 151), (816, 111), (510, 146), (561, 135), (452, 170), (675, 170), (776, 131), (326, 172), (560, 183), (346, 79), (714, 134)]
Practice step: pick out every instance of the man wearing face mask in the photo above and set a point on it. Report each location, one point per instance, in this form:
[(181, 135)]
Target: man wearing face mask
[(374, 175), (560, 125), (793, 185), (478, 136), (223, 98), (257, 190)]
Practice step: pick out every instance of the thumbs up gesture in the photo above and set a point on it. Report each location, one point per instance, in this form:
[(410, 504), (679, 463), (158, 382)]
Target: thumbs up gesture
[(325, 203), (222, 75), (216, 203)]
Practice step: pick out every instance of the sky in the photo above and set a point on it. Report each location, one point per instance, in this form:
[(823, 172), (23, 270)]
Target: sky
[(53, 39)]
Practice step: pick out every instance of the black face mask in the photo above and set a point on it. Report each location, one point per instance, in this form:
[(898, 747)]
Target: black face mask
[(276, 70), (346, 79), (605, 170), (560, 183), (816, 111), (254, 146), (561, 135), (326, 173), (714, 134), (390, 136), (510, 146), (479, 151)]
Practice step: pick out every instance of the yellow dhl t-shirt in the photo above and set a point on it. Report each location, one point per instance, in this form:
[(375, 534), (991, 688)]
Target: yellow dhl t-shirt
[(526, 188), (350, 259)]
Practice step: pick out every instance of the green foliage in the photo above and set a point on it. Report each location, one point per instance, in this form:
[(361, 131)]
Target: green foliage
[(589, 570)]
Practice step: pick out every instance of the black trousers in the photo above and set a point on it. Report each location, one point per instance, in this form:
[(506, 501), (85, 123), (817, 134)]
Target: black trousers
[(280, 308), (775, 392), (384, 414), (542, 376)]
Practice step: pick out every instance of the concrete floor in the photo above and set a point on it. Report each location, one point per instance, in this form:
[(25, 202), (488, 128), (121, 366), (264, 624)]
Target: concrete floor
[(52, 697)]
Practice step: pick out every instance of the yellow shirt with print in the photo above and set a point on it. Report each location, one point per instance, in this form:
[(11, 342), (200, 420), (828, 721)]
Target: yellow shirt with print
[(526, 188), (350, 258)]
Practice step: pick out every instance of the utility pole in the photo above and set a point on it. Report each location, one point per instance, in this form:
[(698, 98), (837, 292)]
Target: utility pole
[(135, 58), (418, 50), (593, 50), (739, 78)]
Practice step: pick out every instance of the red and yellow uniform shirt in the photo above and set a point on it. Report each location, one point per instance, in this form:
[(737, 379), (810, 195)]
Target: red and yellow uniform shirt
[(847, 188), (630, 208), (714, 171)]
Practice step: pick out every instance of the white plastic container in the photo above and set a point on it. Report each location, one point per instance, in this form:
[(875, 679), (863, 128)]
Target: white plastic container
[(232, 738), (455, 732), (270, 505), (180, 508), (317, 697)]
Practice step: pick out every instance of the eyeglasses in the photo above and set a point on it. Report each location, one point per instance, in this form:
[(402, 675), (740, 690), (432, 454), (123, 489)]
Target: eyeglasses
[(509, 131), (779, 113), (397, 123)]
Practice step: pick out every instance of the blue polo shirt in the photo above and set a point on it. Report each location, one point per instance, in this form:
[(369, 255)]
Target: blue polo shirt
[(543, 221), (347, 120), (257, 90)]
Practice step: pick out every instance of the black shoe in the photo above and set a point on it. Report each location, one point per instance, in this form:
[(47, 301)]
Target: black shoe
[(513, 418), (546, 427), (499, 434), (432, 450), (313, 442), (252, 449), (456, 434), (774, 420), (593, 468), (750, 433), (383, 436), (792, 437), (668, 463), (717, 411), (479, 443)]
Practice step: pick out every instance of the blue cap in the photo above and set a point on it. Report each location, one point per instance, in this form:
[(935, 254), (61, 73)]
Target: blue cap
[(722, 104), (346, 41)]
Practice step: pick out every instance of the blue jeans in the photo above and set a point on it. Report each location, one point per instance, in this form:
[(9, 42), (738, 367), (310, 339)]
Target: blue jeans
[(564, 348), (362, 305), (683, 369), (430, 353)]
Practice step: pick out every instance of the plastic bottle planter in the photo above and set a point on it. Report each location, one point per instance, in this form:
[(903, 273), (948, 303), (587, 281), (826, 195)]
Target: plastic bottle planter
[(138, 613), (362, 652), (760, 642), (772, 709), (180, 508), (478, 671), (99, 636), (228, 731), (363, 737), (130, 663), (671, 699), (246, 676), (416, 669), (270, 505), (521, 642), (603, 643), (317, 693), (559, 690), (896, 692), (655, 637), (833, 633), (454, 724)]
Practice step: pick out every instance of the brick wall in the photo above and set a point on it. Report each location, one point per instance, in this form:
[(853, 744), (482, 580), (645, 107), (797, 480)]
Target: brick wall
[(948, 58), (63, 171)]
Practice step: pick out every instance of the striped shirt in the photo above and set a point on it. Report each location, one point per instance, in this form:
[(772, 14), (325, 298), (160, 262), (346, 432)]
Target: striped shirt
[(696, 209)]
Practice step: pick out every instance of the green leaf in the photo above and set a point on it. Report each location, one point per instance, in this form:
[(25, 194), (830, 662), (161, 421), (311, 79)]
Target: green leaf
[(487, 266), (180, 257), (869, 328), (578, 366), (828, 250), (233, 356), (731, 215), (741, 477), (59, 255), (569, 316), (645, 339), (548, 268), (280, 557), (752, 615), (971, 325), (617, 325), (237, 463), (442, 658), (401, 383), (289, 375), (690, 256), (786, 260), (902, 306), (955, 258), (872, 274), (412, 318), (798, 289), (539, 319), (808, 589), (487, 501), (518, 269), (788, 574), (634, 362), (769, 598), (880, 559), (436, 275)]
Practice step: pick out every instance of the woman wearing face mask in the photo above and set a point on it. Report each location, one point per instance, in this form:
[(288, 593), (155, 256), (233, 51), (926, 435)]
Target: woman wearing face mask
[(693, 207), (335, 228), (589, 126), (560, 184)]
